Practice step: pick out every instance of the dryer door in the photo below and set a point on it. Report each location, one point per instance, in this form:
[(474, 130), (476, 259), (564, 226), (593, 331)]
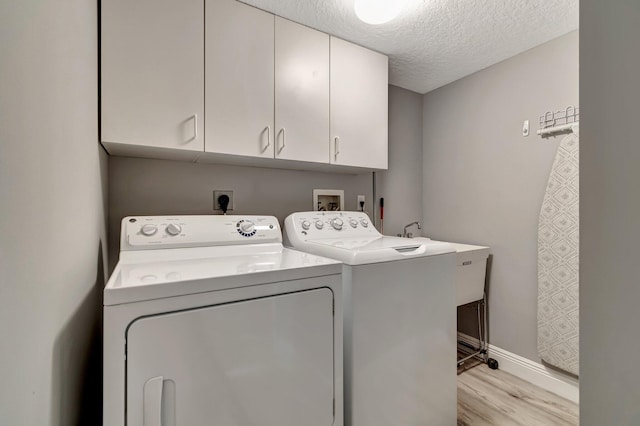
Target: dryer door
[(266, 361)]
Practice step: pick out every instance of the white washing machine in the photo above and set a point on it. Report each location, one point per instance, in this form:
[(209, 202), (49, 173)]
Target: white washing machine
[(399, 319), (208, 320)]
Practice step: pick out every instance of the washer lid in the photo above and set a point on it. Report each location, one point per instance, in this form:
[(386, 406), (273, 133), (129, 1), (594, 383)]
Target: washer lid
[(147, 275), (358, 251)]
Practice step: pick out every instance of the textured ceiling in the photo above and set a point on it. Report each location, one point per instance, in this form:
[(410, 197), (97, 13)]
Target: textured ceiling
[(435, 42)]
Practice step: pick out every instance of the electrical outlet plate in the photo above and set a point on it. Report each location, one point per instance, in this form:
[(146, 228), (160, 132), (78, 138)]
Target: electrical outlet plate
[(360, 199), (218, 193)]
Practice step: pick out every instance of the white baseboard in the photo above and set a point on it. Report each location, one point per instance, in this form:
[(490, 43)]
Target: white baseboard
[(533, 372)]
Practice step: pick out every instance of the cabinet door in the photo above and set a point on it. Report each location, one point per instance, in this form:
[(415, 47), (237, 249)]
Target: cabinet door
[(265, 361), (359, 106), (302, 93), (153, 73), (239, 89)]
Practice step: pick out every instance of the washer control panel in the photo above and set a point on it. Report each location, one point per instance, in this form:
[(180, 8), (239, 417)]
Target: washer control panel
[(311, 225), (149, 232)]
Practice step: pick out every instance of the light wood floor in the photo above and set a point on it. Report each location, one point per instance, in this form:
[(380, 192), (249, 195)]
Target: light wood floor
[(493, 397)]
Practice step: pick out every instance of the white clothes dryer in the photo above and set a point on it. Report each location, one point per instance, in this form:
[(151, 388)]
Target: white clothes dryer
[(208, 320), (399, 319)]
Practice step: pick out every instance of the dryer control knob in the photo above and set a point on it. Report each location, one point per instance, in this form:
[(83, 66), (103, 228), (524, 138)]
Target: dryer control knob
[(149, 229), (319, 224), (364, 222), (353, 223), (247, 227), (173, 229), (337, 223), (306, 225)]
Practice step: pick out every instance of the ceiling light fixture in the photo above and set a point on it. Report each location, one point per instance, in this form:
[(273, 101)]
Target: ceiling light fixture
[(377, 12)]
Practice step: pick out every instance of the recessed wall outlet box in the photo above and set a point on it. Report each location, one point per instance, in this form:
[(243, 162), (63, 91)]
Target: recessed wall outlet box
[(328, 199), (216, 196), (525, 128)]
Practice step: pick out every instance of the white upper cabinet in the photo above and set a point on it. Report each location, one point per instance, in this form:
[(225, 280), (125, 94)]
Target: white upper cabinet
[(359, 106), (239, 89), (152, 75), (221, 81), (302, 93)]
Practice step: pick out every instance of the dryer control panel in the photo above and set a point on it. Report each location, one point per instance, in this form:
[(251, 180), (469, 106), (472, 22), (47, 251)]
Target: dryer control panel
[(152, 232)]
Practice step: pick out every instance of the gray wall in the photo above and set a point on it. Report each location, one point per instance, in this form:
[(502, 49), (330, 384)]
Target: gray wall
[(610, 210), (52, 221), (484, 182), (401, 185)]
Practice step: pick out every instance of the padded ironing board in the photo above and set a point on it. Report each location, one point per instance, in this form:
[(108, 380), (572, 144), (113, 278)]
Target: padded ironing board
[(558, 260)]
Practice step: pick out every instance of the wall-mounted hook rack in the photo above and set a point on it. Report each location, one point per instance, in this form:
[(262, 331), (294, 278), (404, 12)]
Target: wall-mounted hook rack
[(553, 123)]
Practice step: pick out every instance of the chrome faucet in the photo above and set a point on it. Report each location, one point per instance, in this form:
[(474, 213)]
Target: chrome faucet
[(406, 234)]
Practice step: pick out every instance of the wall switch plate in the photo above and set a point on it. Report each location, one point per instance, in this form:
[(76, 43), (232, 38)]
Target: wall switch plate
[(217, 194), (525, 128), (360, 200)]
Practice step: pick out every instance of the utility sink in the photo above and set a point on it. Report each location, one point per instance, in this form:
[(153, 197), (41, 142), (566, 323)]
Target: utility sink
[(471, 271)]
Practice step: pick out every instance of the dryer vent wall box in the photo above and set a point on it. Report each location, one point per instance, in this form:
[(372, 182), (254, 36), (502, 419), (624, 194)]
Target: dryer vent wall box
[(190, 305)]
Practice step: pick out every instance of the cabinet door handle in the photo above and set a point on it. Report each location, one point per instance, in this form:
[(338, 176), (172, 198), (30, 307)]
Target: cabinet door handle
[(152, 400), (283, 131), (195, 127), (268, 130), (336, 147)]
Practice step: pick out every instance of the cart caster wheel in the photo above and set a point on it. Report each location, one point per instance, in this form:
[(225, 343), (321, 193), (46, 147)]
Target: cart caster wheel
[(492, 363)]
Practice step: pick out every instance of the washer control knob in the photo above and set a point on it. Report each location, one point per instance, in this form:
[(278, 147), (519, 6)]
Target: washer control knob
[(173, 229), (353, 223), (319, 224), (149, 229), (364, 222), (306, 225), (337, 223)]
